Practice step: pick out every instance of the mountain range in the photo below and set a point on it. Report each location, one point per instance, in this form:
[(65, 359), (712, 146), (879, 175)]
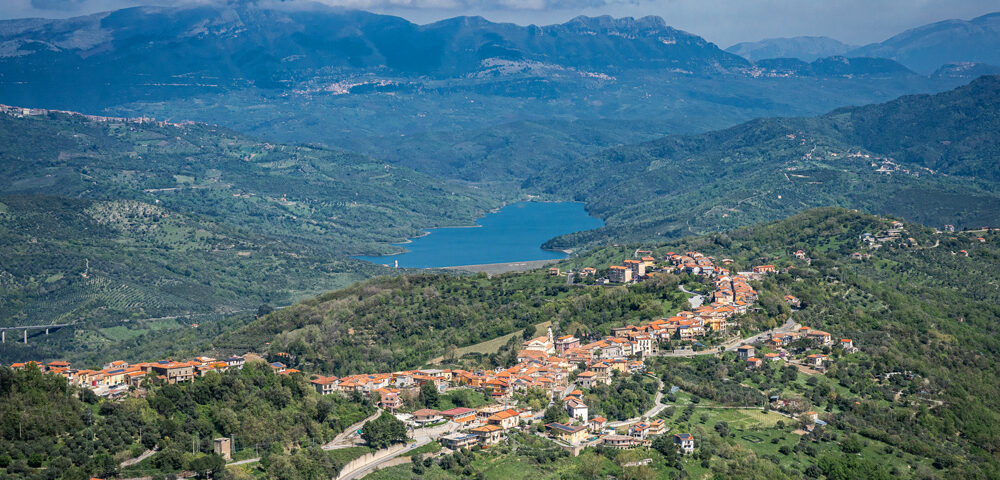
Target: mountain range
[(923, 49), (804, 48)]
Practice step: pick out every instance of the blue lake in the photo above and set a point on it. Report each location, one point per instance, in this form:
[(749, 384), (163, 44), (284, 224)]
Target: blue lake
[(513, 234)]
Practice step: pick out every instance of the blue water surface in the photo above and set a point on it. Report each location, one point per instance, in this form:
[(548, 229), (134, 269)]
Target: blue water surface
[(513, 234)]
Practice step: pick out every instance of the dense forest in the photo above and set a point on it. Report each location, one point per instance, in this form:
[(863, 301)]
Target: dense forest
[(392, 323), (50, 429)]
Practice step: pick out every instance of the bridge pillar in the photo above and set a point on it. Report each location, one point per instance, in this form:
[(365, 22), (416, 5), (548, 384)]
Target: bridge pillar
[(46, 331), (3, 336), (25, 336)]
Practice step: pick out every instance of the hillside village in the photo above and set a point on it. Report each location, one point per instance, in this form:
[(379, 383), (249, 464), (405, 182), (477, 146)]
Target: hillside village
[(562, 367)]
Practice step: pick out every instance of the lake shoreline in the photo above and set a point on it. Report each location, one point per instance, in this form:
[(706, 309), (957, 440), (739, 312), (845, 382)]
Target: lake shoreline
[(502, 241), (504, 267)]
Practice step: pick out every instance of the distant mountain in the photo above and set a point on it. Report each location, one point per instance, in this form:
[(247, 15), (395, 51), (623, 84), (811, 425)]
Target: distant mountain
[(208, 48), (834, 67), (806, 49), (927, 158), (379, 84), (926, 48)]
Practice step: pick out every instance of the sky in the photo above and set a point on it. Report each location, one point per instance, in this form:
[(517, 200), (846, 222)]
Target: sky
[(724, 22)]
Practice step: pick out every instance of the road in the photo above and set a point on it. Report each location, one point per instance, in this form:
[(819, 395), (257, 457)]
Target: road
[(343, 439), (423, 436), (133, 461), (657, 407), (694, 301)]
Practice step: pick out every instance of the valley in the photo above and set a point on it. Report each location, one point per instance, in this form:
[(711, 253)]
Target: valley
[(289, 240)]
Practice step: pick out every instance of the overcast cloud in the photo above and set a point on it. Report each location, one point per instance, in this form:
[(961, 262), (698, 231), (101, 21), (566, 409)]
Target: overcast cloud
[(721, 21)]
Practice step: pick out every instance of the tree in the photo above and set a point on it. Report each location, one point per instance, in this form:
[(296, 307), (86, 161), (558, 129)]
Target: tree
[(554, 414), (384, 431), (429, 396), (722, 428), (206, 465), (528, 332)]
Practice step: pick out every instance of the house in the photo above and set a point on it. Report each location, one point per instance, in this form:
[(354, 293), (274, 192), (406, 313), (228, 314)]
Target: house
[(848, 345), (772, 356), (762, 269), (505, 419), (325, 385), (577, 409), (588, 379), (235, 362), (816, 360), (554, 272), (390, 399), (488, 434), (278, 367), (588, 271), (819, 337), (684, 442), (621, 441), (619, 274), (754, 362), (745, 352), (457, 441), (639, 430), (657, 427), (566, 342), (460, 414), (793, 301), (425, 416), (571, 434), (174, 372), (539, 344), (597, 424), (638, 268)]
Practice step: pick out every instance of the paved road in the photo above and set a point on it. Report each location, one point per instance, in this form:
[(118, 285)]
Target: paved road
[(423, 436), (342, 440), (657, 407), (133, 461), (694, 301)]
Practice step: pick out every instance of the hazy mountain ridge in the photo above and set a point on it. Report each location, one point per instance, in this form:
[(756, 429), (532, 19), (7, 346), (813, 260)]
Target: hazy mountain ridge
[(805, 48), (928, 47)]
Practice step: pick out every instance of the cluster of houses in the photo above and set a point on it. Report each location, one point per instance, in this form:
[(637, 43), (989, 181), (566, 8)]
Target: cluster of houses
[(117, 376), (780, 341), (732, 295)]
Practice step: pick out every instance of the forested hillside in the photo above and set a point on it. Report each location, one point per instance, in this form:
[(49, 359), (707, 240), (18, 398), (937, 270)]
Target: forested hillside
[(105, 221), (51, 429), (393, 323), (924, 158)]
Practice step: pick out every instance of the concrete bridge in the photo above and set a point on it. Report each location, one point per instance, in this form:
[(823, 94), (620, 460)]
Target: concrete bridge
[(47, 328)]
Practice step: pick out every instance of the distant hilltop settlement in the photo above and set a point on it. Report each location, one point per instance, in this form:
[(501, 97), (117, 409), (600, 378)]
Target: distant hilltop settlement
[(563, 367)]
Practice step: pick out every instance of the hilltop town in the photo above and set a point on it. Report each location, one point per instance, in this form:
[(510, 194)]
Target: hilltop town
[(561, 367)]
